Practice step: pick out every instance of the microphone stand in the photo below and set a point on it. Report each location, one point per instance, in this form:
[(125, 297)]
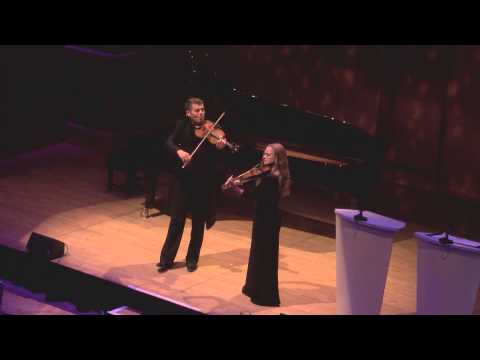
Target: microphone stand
[(444, 240), (360, 217), (361, 202)]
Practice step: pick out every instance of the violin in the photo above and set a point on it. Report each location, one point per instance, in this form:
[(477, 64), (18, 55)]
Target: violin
[(215, 135), (254, 173)]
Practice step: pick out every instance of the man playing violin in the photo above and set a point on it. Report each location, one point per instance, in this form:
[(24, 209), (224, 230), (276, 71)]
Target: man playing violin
[(194, 184)]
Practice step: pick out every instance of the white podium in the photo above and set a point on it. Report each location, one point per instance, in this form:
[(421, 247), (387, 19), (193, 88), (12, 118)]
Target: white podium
[(448, 276), (363, 255)]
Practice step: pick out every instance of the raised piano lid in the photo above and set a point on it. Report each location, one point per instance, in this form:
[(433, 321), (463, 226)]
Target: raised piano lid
[(306, 135)]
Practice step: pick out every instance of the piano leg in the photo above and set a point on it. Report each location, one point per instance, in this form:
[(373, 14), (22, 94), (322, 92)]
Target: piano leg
[(109, 179), (150, 192), (144, 213)]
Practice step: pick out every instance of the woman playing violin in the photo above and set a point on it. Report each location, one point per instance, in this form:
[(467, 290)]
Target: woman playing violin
[(271, 182)]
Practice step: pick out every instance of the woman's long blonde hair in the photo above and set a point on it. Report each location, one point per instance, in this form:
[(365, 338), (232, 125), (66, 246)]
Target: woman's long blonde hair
[(280, 168)]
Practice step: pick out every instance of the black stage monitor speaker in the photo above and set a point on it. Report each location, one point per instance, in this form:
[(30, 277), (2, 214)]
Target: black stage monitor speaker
[(45, 247)]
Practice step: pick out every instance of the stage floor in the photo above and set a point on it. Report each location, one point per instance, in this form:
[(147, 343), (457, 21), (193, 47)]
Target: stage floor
[(59, 191)]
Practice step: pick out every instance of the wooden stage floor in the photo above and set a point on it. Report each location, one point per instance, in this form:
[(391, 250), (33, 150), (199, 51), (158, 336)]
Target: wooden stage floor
[(59, 191)]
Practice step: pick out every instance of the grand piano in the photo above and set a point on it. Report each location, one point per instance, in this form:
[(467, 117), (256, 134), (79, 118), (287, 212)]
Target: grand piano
[(321, 149), (337, 156)]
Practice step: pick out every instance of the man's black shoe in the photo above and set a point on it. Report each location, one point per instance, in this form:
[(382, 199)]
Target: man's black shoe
[(163, 267), (191, 267)]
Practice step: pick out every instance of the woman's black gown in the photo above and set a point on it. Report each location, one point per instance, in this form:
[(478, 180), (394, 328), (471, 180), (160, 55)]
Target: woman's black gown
[(262, 275)]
